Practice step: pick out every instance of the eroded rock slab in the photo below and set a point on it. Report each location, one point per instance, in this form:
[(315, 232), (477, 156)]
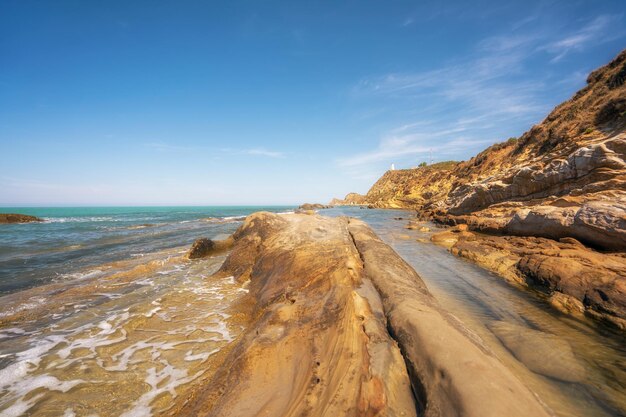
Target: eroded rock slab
[(324, 293)]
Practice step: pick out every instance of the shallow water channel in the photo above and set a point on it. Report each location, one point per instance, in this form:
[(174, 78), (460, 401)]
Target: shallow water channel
[(577, 368)]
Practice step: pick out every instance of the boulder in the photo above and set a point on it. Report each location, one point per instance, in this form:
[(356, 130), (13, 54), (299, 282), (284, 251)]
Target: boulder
[(204, 247)]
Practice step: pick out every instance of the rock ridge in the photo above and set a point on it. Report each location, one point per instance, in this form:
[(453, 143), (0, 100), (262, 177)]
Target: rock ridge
[(339, 324)]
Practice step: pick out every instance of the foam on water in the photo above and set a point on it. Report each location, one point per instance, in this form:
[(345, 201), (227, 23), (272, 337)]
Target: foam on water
[(29, 304), (161, 333), (160, 381), (82, 219)]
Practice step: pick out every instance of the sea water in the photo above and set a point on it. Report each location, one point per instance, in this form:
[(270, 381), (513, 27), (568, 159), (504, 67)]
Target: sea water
[(589, 383), (102, 314)]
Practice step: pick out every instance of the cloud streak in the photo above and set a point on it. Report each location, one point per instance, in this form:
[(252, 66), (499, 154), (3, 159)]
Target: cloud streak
[(261, 152), (601, 29), (468, 104)]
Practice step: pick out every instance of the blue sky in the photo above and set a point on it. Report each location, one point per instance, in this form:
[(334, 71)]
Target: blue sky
[(197, 102)]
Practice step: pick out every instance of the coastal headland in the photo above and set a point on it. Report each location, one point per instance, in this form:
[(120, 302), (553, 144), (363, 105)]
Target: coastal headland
[(547, 209)]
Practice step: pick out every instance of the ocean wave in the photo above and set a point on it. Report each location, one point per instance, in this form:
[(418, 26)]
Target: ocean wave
[(80, 275), (81, 219)]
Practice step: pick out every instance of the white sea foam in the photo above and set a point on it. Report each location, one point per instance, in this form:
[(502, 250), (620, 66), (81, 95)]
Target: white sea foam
[(237, 218), (81, 275), (160, 381), (151, 312), (107, 327), (17, 380), (11, 332), (81, 219), (32, 302), (190, 357)]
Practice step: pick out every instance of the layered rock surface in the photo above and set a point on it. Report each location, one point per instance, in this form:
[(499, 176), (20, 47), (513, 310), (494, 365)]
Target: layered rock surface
[(339, 324), (578, 280)]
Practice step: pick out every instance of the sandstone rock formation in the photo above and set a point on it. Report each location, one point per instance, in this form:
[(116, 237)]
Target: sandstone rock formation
[(577, 279), (340, 325), (18, 218)]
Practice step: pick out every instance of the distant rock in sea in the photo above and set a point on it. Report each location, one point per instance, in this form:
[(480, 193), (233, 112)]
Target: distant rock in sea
[(18, 218), (314, 206)]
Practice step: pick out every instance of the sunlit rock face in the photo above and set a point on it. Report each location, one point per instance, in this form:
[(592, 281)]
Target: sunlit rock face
[(341, 325)]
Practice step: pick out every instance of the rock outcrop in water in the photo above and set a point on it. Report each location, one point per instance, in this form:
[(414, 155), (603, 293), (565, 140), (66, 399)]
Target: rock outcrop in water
[(577, 279), (341, 325), (563, 179), (18, 218), (204, 247), (312, 206)]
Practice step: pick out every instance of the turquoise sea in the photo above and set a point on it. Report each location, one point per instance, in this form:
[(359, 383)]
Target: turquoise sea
[(74, 238)]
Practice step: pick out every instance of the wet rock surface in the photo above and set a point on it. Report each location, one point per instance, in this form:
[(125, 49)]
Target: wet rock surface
[(541, 352), (205, 247), (341, 325)]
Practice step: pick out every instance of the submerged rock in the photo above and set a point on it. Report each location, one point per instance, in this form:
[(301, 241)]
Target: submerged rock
[(18, 218), (540, 352)]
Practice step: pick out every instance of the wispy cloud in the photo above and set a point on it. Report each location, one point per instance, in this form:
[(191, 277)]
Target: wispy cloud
[(264, 152), (463, 100), (601, 29), (470, 103), (166, 147)]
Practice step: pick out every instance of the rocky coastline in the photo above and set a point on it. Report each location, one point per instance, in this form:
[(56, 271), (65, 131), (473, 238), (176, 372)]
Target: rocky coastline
[(547, 208), (339, 324)]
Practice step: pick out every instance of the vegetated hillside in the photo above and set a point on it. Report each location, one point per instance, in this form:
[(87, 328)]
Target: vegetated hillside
[(565, 177), (417, 188)]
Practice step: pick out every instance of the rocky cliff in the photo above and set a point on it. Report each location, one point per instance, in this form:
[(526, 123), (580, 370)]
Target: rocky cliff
[(565, 177), (556, 196)]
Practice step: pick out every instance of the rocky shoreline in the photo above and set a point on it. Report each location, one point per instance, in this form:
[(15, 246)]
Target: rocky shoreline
[(339, 324), (578, 280), (547, 208)]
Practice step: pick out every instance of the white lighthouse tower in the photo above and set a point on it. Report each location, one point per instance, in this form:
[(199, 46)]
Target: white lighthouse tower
[(393, 167)]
